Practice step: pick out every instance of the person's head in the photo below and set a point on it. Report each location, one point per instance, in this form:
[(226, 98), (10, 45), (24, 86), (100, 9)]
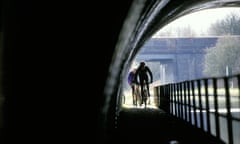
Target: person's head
[(142, 64), (134, 70)]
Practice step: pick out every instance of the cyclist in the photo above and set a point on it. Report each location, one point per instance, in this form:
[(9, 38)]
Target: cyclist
[(143, 73), (131, 82)]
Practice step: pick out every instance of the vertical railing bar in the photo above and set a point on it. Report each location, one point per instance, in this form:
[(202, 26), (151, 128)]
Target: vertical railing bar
[(172, 95), (200, 103), (159, 98), (194, 104), (238, 78), (229, 115), (185, 101), (175, 100), (170, 98), (207, 105), (161, 95), (189, 102), (216, 107), (181, 103), (164, 99), (178, 107)]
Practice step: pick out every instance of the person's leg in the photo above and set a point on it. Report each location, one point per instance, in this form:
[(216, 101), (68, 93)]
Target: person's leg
[(148, 89), (147, 83), (141, 84), (133, 98), (137, 95), (148, 94)]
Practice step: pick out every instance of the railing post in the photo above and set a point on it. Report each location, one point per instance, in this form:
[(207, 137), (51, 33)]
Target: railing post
[(216, 108), (181, 100), (185, 101), (194, 103), (156, 96), (207, 106), (161, 97), (175, 100), (200, 103), (178, 102), (229, 115), (171, 98), (164, 98), (167, 103), (189, 103)]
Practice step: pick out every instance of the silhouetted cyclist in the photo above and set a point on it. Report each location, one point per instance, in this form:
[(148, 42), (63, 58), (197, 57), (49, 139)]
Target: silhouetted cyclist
[(143, 73), (131, 82)]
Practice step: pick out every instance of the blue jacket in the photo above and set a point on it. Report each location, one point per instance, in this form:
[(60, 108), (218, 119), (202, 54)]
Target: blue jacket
[(131, 77)]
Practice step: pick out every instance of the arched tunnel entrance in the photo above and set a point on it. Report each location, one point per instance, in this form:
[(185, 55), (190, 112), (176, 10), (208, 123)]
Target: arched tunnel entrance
[(144, 19), (41, 82)]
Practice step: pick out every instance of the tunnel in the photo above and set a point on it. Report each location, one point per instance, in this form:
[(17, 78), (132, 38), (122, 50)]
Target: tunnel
[(63, 63), (144, 18)]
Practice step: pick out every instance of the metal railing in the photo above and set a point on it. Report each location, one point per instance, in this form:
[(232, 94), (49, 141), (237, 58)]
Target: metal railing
[(211, 104)]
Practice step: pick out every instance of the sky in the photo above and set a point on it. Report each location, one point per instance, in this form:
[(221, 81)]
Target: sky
[(200, 21)]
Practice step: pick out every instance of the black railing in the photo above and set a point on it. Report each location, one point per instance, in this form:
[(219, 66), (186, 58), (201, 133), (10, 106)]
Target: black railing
[(210, 104)]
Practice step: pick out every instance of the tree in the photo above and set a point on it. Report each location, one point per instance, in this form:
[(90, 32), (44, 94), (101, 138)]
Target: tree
[(185, 31), (227, 26), (224, 54), (173, 31)]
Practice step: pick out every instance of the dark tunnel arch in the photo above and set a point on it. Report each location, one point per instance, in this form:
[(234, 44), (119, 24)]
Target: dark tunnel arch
[(143, 20)]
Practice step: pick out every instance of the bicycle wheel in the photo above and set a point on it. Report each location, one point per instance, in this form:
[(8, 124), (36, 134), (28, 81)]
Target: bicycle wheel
[(138, 97), (145, 94)]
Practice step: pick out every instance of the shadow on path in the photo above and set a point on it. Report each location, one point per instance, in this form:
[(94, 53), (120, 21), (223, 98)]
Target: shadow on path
[(152, 125)]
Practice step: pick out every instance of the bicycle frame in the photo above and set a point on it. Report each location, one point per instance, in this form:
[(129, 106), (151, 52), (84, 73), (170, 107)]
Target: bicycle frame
[(145, 94)]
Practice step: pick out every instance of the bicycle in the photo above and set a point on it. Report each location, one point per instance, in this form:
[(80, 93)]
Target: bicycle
[(145, 96)]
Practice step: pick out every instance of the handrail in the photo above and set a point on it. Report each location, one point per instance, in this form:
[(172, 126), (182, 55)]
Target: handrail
[(207, 104)]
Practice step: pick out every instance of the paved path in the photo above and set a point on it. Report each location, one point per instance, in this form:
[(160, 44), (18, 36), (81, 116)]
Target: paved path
[(152, 125)]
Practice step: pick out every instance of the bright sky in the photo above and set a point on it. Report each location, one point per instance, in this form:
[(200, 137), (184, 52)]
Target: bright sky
[(200, 21)]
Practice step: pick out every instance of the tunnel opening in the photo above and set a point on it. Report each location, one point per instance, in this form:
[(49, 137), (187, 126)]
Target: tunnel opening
[(177, 52), (138, 39)]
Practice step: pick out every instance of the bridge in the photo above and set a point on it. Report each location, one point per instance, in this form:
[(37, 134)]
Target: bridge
[(177, 58)]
